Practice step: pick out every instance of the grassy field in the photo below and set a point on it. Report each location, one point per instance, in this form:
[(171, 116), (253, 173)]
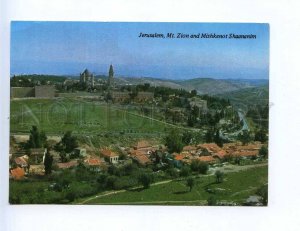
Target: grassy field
[(236, 187), (55, 116)]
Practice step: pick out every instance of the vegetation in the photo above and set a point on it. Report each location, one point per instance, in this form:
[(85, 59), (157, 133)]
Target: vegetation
[(245, 137), (219, 176), (48, 162), (37, 139), (237, 188), (190, 182), (199, 166), (174, 141)]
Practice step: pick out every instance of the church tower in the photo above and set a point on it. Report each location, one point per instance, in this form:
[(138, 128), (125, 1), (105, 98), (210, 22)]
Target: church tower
[(110, 81)]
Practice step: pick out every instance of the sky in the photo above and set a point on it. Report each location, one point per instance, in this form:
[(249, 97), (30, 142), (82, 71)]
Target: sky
[(67, 48)]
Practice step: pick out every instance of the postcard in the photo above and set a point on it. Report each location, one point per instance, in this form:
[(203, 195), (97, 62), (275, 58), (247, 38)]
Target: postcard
[(136, 113)]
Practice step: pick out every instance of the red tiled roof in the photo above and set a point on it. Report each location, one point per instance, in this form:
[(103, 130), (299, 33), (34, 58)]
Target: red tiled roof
[(206, 159), (142, 159), (93, 161), (108, 153), (211, 147), (245, 153), (67, 164), (189, 148), (179, 157), (22, 160), (221, 154), (17, 173)]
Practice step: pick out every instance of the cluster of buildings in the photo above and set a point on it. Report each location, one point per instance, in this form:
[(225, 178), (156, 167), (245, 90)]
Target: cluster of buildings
[(143, 153), (212, 153)]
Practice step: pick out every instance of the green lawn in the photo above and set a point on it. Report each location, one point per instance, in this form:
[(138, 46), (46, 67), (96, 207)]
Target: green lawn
[(236, 187), (84, 117)]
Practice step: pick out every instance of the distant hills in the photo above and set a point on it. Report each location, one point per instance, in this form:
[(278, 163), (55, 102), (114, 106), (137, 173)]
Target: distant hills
[(208, 86), (247, 97)]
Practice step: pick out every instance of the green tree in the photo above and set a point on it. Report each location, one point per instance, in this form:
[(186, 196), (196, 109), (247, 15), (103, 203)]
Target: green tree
[(190, 182), (69, 142), (261, 136), (244, 137), (263, 192), (174, 141), (209, 137), (187, 137), (37, 139), (212, 201), (217, 139), (219, 176), (48, 161), (145, 179), (185, 171), (263, 151), (199, 166)]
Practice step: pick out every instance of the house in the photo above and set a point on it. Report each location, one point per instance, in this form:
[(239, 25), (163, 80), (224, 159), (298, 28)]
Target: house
[(110, 156), (21, 161), (140, 157), (37, 155), (190, 149), (70, 164), (17, 173), (94, 163), (144, 147)]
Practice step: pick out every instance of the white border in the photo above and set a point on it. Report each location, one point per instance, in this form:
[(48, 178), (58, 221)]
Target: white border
[(284, 201)]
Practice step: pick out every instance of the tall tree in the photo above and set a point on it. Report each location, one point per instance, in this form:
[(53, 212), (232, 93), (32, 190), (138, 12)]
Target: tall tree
[(48, 161), (37, 139), (69, 142), (174, 141), (190, 182), (218, 140)]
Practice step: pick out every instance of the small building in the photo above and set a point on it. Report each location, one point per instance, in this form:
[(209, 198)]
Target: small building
[(140, 157), (37, 155), (110, 156), (94, 163)]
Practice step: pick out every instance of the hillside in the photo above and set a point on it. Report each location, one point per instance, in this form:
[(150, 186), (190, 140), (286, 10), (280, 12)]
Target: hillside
[(248, 97)]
